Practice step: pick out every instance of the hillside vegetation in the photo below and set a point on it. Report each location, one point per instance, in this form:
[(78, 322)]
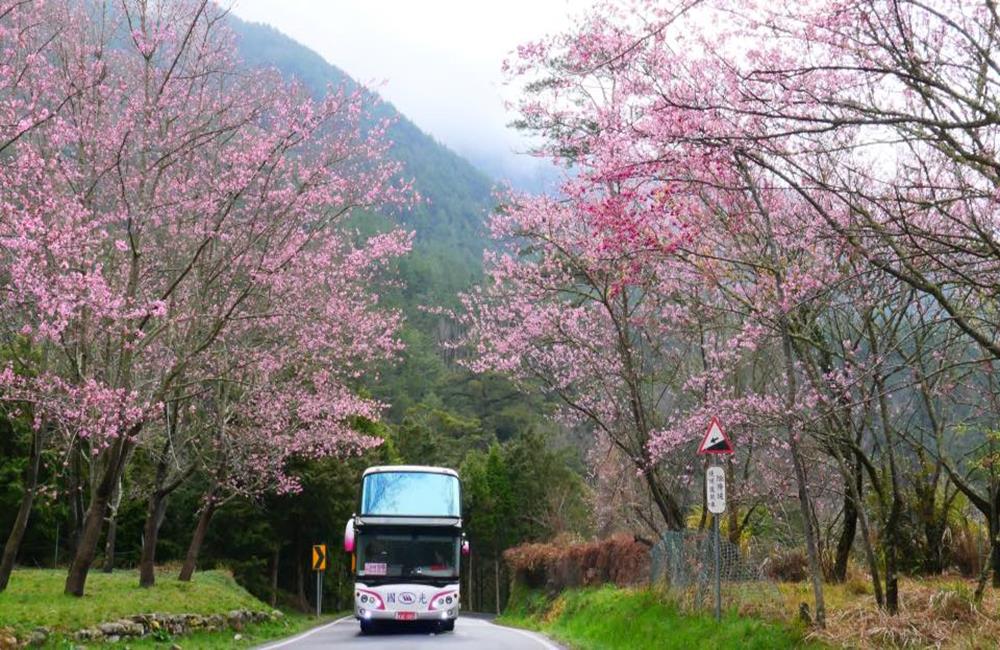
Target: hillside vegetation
[(608, 618), (35, 600)]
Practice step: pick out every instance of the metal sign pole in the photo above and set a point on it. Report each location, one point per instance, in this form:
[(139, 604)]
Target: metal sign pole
[(715, 442), (718, 577), (319, 592)]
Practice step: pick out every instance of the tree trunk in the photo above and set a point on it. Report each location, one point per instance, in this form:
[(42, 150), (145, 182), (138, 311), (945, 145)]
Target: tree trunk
[(86, 548), (13, 544), (496, 576), (996, 562), (850, 528), (191, 560), (77, 511), (479, 581), (814, 567), (994, 525), (934, 536), (300, 577), (76, 579), (891, 540), (815, 570), (983, 575), (471, 591), (156, 510), (855, 488), (109, 543), (665, 503), (790, 404), (275, 559)]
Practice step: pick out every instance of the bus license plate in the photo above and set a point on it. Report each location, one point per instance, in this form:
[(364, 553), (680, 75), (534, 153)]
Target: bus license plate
[(406, 616)]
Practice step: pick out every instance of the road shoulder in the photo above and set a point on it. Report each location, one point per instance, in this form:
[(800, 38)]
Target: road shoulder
[(280, 643)]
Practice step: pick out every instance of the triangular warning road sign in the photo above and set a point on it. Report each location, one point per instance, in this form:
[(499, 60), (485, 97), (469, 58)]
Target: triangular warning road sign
[(715, 440)]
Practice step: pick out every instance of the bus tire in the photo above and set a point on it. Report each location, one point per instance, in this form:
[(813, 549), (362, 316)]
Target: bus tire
[(367, 627), (448, 626)]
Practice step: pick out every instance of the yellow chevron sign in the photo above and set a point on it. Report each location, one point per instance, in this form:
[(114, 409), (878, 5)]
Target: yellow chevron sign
[(319, 557)]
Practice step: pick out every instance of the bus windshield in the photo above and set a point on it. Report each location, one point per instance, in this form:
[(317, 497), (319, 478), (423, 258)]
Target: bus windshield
[(408, 555), (414, 494)]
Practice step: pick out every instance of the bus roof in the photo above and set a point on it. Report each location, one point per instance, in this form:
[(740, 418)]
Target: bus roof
[(380, 469)]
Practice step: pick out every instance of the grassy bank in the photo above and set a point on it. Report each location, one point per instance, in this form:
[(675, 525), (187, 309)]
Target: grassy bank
[(251, 635), (35, 599), (611, 618)]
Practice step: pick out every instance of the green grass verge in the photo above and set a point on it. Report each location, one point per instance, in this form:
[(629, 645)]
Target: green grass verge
[(35, 598), (612, 618)]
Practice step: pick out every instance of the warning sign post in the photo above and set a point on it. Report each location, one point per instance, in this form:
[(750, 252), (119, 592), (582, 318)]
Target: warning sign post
[(319, 566), (715, 443)]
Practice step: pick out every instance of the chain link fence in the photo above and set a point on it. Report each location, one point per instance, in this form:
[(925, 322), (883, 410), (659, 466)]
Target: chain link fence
[(683, 564)]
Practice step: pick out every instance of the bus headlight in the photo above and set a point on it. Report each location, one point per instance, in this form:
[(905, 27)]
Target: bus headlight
[(371, 599), (442, 599)]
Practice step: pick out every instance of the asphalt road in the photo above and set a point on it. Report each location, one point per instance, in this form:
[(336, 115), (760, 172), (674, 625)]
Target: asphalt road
[(470, 632)]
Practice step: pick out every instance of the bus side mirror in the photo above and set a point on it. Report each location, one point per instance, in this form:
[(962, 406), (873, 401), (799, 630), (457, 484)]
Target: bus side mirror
[(349, 536), (465, 547)]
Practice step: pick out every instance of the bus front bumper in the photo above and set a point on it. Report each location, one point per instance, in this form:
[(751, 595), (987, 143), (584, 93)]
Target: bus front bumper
[(363, 614)]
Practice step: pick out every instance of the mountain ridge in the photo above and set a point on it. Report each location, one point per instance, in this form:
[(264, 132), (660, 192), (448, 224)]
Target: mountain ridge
[(440, 174)]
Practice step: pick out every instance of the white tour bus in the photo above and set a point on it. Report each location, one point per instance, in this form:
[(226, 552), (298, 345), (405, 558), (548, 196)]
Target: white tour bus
[(405, 543)]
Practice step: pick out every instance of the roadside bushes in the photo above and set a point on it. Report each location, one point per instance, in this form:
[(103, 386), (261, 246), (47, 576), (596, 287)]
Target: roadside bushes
[(787, 565), (563, 564)]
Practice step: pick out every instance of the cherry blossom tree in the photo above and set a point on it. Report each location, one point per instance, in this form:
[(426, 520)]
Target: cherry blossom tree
[(812, 161), (31, 97), (284, 381), (183, 189)]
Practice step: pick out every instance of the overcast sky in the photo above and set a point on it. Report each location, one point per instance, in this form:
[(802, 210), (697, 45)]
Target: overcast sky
[(438, 61)]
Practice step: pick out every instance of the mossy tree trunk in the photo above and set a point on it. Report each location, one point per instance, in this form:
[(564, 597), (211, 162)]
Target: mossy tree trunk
[(13, 544), (200, 530)]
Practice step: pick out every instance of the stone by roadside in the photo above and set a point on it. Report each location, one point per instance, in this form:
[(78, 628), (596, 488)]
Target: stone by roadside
[(141, 625)]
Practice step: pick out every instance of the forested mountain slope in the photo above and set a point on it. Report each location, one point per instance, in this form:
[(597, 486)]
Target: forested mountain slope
[(449, 224)]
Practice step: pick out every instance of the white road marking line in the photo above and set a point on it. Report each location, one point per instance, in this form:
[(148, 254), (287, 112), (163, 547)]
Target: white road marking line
[(538, 638), (282, 644)]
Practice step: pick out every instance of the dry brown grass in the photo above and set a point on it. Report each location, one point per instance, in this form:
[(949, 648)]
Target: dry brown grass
[(563, 564), (934, 613)]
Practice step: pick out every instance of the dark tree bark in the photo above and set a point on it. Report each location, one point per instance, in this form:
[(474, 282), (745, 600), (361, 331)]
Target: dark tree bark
[(275, 561), (664, 501), (798, 464), (204, 519), (850, 528), (13, 544), (109, 543), (300, 573), (994, 522), (86, 548), (115, 459), (77, 511), (891, 538), (156, 509)]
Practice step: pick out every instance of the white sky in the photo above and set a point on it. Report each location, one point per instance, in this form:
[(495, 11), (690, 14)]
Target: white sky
[(438, 61)]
